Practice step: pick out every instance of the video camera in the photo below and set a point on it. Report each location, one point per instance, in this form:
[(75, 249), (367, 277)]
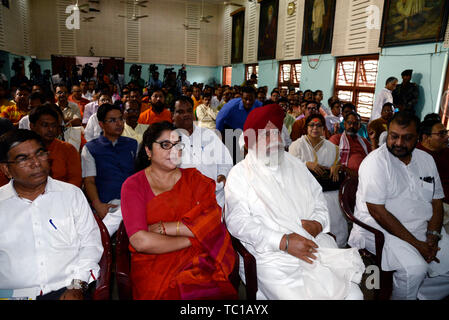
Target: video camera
[(135, 71), (88, 72), (153, 69), (18, 65), (182, 72)]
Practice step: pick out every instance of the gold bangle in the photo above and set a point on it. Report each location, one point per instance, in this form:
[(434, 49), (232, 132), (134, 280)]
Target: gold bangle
[(177, 228)]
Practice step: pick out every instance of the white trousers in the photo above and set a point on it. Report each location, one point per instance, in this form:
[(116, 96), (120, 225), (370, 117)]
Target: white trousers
[(338, 222), (410, 279)]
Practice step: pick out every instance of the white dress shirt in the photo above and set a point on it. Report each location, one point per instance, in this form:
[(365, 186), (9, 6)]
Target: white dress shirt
[(383, 97), (89, 110), (72, 111), (206, 152), (93, 129), (47, 243)]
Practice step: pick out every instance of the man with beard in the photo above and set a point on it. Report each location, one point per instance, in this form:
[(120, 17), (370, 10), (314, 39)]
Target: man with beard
[(400, 193), (157, 111), (77, 97), (353, 147), (70, 110), (276, 208), (107, 162), (133, 129), (377, 127)]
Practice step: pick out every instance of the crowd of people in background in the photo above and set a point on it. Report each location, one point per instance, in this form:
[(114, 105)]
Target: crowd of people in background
[(117, 144)]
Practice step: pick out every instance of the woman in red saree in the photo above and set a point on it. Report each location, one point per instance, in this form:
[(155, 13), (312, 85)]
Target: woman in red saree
[(179, 247)]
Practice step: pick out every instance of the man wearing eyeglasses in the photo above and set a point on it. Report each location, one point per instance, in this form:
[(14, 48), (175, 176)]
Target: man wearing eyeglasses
[(133, 129), (77, 97), (400, 194), (70, 110), (107, 162), (50, 243), (434, 140)]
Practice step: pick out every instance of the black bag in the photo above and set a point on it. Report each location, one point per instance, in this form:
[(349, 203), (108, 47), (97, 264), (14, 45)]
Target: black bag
[(326, 181)]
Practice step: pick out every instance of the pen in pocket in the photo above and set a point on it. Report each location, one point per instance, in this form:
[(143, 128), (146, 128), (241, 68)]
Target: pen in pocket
[(51, 222)]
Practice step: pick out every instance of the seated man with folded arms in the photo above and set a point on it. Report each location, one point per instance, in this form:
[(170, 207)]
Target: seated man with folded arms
[(400, 194), (50, 243), (276, 208), (65, 161), (107, 162), (133, 129)]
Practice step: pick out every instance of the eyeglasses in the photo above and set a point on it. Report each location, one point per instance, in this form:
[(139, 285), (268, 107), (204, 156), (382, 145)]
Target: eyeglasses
[(114, 120), (168, 145), (442, 133), (28, 161)]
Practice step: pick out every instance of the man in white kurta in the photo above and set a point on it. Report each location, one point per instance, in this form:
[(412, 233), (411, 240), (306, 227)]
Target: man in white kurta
[(384, 96), (204, 150), (276, 208), (407, 192)]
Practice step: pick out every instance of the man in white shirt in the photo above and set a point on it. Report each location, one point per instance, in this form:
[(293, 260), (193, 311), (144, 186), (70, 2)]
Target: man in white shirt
[(217, 99), (276, 208), (50, 243), (91, 108), (131, 113), (384, 96), (400, 194), (70, 110), (204, 150)]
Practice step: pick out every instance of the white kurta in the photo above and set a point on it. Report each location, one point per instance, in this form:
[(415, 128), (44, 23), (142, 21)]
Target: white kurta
[(206, 116), (326, 156), (383, 97), (260, 214), (206, 152), (385, 180)]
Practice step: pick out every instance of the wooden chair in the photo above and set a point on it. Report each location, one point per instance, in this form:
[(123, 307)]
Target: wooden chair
[(103, 287), (347, 198), (123, 263), (249, 263)]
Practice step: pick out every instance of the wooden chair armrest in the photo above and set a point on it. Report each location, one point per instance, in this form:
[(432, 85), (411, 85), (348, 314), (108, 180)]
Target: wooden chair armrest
[(249, 263)]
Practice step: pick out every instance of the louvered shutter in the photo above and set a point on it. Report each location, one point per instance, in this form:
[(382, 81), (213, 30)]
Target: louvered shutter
[(227, 37), (192, 53), (132, 33), (252, 32), (67, 38)]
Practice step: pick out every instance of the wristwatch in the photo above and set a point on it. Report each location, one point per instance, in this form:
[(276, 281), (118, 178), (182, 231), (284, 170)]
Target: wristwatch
[(78, 285), (434, 233)]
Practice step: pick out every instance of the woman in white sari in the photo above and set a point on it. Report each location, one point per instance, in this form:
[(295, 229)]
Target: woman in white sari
[(322, 158)]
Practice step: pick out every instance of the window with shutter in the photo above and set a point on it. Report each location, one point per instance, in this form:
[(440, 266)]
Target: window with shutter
[(250, 69), (355, 82), (289, 74)]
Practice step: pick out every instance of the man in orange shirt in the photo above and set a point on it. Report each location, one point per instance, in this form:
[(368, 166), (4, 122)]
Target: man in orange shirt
[(196, 97), (77, 97), (157, 112), (21, 107), (64, 158)]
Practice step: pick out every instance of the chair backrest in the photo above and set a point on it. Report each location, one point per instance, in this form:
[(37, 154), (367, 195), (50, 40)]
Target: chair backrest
[(103, 288), (123, 262), (348, 190)]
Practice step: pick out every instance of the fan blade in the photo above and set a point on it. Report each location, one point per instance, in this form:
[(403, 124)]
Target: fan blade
[(94, 10), (139, 17)]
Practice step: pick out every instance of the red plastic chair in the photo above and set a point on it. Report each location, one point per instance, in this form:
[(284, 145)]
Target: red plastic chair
[(103, 288), (123, 262), (347, 197)]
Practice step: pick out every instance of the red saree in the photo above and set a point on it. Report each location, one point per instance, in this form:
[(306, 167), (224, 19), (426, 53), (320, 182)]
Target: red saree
[(200, 271)]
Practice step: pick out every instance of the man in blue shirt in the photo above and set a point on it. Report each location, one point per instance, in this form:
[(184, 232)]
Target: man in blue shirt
[(233, 114)]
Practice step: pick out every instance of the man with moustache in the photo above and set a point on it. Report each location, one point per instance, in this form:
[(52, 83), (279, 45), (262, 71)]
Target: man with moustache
[(107, 162), (400, 193), (157, 112), (133, 129), (353, 147), (50, 243)]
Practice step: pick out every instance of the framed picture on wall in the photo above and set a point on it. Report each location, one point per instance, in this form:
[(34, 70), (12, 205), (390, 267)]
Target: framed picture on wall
[(268, 28), (318, 27), (413, 22), (238, 29)]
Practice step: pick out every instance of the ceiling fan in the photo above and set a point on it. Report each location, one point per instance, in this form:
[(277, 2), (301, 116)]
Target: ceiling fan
[(229, 3), (87, 6), (88, 19), (134, 17), (186, 26), (203, 18), (139, 3)]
